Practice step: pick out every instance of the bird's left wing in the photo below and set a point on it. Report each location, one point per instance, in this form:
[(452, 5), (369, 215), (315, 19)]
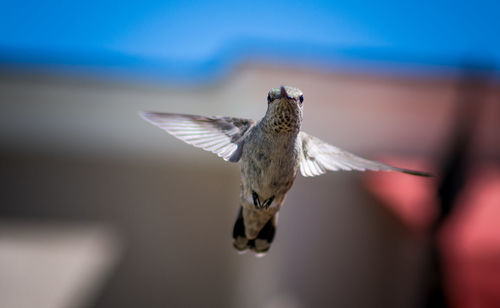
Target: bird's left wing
[(223, 136), (319, 156)]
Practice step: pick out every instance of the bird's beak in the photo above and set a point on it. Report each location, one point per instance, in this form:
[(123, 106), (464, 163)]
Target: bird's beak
[(283, 92)]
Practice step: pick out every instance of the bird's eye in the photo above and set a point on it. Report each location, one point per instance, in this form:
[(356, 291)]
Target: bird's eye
[(268, 98), (301, 98)]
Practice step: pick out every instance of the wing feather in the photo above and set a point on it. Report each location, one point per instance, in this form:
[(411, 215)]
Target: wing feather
[(319, 156), (220, 135)]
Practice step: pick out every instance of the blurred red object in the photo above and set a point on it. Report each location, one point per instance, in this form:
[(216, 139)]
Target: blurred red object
[(470, 243), (469, 240), (411, 198)]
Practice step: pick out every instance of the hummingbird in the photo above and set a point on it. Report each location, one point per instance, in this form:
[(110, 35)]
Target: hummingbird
[(271, 153)]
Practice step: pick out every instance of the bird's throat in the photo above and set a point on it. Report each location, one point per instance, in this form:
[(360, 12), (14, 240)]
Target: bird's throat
[(282, 119)]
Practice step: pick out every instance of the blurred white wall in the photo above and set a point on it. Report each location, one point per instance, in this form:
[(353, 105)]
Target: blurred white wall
[(363, 113)]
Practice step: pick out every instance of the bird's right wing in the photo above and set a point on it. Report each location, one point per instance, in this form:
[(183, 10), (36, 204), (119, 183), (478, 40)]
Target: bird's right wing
[(319, 156), (220, 135)]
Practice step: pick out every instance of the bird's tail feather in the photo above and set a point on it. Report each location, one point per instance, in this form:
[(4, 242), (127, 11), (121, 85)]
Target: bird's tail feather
[(261, 244)]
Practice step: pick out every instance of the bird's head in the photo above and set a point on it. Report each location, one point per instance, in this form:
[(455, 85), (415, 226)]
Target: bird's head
[(284, 108)]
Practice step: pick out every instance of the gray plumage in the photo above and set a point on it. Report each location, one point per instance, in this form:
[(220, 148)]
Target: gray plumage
[(271, 151)]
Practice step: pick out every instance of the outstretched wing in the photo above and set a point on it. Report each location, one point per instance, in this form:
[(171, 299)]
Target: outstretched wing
[(220, 135), (319, 156)]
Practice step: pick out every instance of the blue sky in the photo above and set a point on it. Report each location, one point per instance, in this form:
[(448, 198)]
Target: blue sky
[(200, 35)]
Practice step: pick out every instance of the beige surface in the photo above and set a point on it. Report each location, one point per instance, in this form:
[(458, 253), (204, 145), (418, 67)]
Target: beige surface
[(53, 265)]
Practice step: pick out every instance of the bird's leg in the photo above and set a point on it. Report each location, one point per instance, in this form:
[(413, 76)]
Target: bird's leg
[(268, 202), (256, 201), (260, 205)]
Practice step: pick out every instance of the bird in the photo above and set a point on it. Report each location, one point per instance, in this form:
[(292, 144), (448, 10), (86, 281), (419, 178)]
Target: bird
[(271, 152)]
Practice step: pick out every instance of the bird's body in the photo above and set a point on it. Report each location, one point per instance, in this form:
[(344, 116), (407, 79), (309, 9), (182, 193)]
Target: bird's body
[(269, 165), (271, 151)]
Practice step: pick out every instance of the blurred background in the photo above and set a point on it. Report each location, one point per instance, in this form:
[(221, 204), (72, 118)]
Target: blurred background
[(100, 209)]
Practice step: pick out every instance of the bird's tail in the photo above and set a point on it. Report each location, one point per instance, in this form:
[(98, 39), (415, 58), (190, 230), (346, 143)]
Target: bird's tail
[(261, 244)]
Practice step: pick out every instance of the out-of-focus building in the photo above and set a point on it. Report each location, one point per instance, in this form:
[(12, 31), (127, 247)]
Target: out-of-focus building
[(100, 209)]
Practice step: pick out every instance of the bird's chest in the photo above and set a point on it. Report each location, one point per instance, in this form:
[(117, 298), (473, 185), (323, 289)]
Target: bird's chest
[(269, 167)]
